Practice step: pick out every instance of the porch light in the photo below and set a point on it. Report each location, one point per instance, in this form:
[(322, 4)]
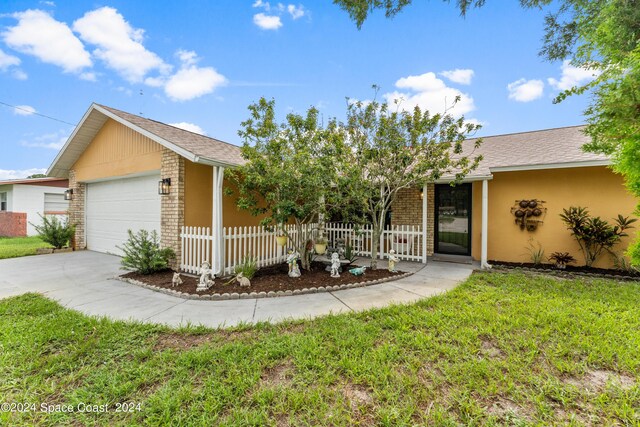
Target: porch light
[(164, 186), (68, 194), (421, 193)]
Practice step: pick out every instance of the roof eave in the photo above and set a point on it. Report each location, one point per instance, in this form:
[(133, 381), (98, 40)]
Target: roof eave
[(567, 165), (213, 162)]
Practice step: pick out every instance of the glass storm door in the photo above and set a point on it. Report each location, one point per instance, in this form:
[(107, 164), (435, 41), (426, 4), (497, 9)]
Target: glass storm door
[(453, 219)]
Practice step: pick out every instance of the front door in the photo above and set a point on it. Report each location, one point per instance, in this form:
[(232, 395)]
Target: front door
[(453, 219)]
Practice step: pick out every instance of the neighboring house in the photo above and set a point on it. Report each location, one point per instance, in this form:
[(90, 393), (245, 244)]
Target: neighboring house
[(116, 162), (477, 218), (22, 201), (119, 163)]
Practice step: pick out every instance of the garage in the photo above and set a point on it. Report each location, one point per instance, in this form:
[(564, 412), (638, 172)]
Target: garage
[(117, 205)]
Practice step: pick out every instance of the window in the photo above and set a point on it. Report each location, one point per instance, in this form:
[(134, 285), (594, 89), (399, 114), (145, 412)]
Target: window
[(55, 204), (3, 201)]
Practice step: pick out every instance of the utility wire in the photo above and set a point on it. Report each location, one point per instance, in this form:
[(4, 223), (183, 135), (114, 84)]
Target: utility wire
[(36, 113)]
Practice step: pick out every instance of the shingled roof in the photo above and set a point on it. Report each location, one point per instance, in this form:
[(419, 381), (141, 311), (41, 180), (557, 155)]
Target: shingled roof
[(541, 149), (195, 147)]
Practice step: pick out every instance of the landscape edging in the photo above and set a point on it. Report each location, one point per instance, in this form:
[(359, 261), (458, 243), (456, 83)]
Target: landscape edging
[(564, 273), (257, 295)]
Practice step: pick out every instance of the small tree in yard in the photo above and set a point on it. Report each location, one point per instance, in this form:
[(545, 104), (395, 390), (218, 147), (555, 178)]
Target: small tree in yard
[(289, 169), (593, 234), (390, 149), (143, 254), (55, 232)]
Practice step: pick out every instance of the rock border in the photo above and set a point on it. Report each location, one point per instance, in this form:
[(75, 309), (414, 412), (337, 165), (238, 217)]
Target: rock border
[(564, 274), (257, 295)]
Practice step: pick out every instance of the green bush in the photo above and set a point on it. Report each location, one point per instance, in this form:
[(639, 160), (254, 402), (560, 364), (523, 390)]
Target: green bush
[(143, 254), (248, 267), (593, 234), (55, 232)]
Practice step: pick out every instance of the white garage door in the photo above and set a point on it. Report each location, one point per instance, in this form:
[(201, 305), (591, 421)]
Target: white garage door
[(115, 206)]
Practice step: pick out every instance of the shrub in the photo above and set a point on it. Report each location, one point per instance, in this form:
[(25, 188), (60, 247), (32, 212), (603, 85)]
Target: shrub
[(561, 259), (536, 252), (248, 267), (593, 234), (143, 254), (55, 232)]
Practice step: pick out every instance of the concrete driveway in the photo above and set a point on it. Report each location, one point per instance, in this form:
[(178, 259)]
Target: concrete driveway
[(83, 281)]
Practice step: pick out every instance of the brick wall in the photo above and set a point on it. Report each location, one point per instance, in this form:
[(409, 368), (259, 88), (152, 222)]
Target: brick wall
[(76, 211), (13, 224), (172, 205), (407, 210)]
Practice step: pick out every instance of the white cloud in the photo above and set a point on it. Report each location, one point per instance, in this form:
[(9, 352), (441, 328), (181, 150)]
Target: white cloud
[(19, 74), (572, 76), (191, 127), (89, 76), (462, 77), (7, 61), (523, 90), (267, 22), (48, 3), (193, 82), (24, 110), (187, 57), (52, 141), (119, 44), (20, 173), (296, 12), (430, 93), (51, 41)]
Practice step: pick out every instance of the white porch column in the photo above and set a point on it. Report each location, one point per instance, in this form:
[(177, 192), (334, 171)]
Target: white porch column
[(217, 246), (425, 210), (485, 224)]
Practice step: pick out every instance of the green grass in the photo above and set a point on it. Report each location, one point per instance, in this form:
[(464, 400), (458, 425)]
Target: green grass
[(12, 247), (501, 349)]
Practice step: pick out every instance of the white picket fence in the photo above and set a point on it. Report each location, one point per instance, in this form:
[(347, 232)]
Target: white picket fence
[(240, 242)]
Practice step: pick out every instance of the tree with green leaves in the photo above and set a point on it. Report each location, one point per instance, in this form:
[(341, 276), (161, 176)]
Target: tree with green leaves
[(388, 149), (288, 171), (598, 35)]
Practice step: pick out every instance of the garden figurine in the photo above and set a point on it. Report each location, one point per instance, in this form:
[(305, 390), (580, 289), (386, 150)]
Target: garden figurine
[(393, 259), (206, 278), (243, 281), (176, 280), (335, 264), (292, 260), (358, 271)]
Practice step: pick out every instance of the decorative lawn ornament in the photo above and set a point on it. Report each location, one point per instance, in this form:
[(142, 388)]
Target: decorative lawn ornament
[(393, 259), (358, 271), (206, 278), (243, 281), (176, 280), (335, 264), (292, 260)]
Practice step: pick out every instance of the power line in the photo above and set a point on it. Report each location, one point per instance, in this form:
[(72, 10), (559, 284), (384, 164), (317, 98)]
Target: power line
[(36, 113)]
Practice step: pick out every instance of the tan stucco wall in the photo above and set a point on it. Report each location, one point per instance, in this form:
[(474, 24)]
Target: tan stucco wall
[(198, 200), (117, 151), (597, 188)]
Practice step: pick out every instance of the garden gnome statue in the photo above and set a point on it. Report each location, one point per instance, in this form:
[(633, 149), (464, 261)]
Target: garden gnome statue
[(335, 264), (292, 260), (177, 280), (244, 282), (206, 279), (393, 258)]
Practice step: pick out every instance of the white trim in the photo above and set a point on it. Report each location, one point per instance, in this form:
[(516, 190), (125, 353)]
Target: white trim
[(465, 179), (485, 225), (131, 175), (216, 221), (586, 163), (212, 162), (425, 211)]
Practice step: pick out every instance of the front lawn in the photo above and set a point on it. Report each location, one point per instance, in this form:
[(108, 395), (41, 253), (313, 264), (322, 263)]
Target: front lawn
[(501, 349), (12, 247)]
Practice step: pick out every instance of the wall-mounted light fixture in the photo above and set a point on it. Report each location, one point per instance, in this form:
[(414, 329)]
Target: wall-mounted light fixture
[(68, 194), (164, 186), (421, 193)]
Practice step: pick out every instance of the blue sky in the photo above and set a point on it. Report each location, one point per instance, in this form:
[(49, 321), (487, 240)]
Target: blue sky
[(199, 64)]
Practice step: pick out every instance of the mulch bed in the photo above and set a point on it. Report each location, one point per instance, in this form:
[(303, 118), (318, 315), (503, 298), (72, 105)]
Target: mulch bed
[(570, 269), (273, 278)]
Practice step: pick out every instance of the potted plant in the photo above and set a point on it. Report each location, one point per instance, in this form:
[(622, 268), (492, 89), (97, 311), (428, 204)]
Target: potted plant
[(561, 259), (320, 245)]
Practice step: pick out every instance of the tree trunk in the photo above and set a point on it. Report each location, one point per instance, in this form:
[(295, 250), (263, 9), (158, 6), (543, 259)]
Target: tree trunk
[(375, 247)]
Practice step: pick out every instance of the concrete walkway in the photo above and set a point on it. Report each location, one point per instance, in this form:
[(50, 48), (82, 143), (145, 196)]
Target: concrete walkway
[(83, 281)]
